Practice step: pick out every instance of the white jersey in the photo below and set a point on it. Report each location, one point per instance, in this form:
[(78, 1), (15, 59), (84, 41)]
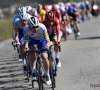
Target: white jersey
[(42, 33)]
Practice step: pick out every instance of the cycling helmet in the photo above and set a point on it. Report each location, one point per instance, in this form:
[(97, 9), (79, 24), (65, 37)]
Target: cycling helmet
[(33, 11), (22, 13), (33, 22), (18, 10), (50, 16), (28, 8)]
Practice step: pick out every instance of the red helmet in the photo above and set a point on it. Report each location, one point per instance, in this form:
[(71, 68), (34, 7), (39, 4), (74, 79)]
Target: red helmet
[(50, 16)]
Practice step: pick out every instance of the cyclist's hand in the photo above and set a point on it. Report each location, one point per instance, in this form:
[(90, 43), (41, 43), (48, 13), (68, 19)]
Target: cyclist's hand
[(59, 43), (46, 47), (18, 44), (25, 49), (13, 42)]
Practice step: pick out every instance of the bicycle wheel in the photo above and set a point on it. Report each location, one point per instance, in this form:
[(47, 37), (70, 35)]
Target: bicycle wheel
[(75, 33), (39, 74), (52, 76), (28, 67)]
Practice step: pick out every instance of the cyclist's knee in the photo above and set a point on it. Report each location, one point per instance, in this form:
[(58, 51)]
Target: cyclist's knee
[(44, 56)]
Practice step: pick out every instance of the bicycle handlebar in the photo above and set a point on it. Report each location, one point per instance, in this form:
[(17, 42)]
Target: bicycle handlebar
[(58, 47)]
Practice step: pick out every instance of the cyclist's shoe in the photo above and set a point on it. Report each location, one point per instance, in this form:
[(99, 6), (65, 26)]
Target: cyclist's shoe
[(34, 77), (58, 63), (25, 70), (47, 80), (78, 34), (20, 60)]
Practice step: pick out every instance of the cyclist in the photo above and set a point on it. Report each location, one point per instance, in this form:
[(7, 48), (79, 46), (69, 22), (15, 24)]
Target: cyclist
[(37, 34), (73, 13), (56, 12), (16, 17), (41, 11), (19, 25), (53, 26)]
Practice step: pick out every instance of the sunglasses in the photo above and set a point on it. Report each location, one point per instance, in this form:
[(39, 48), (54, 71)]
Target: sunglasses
[(35, 27)]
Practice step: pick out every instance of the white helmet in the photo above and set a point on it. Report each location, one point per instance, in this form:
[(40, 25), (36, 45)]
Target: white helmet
[(33, 22), (28, 8), (22, 13), (18, 10)]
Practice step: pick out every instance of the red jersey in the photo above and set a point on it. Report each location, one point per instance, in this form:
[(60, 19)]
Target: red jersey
[(54, 28), (39, 17), (56, 12)]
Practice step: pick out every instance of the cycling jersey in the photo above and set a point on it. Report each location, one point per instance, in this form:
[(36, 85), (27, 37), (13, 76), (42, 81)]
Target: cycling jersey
[(71, 8), (52, 29), (42, 13), (42, 33), (57, 13), (82, 5), (15, 17)]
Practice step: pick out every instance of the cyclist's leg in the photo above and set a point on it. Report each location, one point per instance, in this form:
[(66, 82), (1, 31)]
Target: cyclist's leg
[(76, 23), (45, 62), (56, 49), (22, 54), (32, 57)]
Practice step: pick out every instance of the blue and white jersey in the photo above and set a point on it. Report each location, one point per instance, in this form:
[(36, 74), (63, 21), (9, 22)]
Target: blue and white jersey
[(16, 16), (18, 24), (42, 33)]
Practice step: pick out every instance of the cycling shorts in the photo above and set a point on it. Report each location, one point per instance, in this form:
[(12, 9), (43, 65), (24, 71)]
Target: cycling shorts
[(38, 43), (73, 16), (52, 35)]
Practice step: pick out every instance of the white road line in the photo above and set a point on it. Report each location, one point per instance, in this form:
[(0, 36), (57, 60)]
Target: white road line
[(1, 45)]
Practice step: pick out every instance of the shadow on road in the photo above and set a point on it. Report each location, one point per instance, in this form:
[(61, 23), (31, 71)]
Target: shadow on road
[(92, 38)]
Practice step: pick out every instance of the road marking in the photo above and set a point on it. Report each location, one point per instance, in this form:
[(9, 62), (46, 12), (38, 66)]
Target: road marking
[(1, 45)]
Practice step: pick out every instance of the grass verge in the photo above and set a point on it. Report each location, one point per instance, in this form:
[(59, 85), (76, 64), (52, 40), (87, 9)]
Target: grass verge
[(5, 30)]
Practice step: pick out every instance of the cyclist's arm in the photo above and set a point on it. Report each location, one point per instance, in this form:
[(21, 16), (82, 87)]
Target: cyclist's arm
[(16, 34), (16, 29), (59, 33), (25, 41), (46, 36), (25, 37)]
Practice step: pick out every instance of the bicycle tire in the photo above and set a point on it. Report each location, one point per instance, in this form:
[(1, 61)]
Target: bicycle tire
[(39, 74), (28, 67), (52, 74)]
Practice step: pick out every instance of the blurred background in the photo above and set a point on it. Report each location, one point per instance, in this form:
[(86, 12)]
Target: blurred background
[(8, 7)]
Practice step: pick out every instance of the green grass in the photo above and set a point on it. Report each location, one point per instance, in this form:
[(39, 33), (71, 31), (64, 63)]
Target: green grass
[(5, 30)]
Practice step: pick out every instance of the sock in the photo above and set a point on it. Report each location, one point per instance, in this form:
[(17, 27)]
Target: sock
[(33, 69), (46, 72), (56, 54), (24, 62)]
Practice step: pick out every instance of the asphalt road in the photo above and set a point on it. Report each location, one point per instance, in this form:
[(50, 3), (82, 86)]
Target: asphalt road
[(80, 62)]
